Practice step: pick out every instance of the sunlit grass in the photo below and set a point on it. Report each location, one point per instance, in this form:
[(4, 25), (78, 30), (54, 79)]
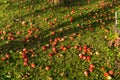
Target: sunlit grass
[(31, 25)]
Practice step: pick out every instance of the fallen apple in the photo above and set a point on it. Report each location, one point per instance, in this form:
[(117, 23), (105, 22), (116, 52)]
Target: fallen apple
[(7, 56), (33, 65), (25, 63), (86, 73), (80, 56), (47, 68), (111, 72), (91, 69), (44, 47), (106, 74), (92, 66), (88, 58), (50, 55)]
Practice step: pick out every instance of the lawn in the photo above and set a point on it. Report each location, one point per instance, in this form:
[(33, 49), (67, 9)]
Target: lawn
[(43, 41)]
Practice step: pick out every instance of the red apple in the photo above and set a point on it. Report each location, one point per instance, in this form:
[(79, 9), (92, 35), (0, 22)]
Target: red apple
[(23, 23), (24, 49), (54, 44), (44, 47), (26, 59), (106, 74), (18, 33), (80, 48), (24, 55), (111, 72), (31, 50), (64, 49), (92, 66), (102, 68), (54, 50), (85, 47), (47, 68), (84, 57), (51, 40), (9, 38), (7, 56), (53, 33), (86, 73), (85, 50), (1, 32), (88, 58), (68, 46), (25, 63), (71, 37), (61, 47), (91, 69), (80, 56), (58, 38), (76, 47), (12, 38), (88, 49), (30, 32), (71, 19), (26, 52), (33, 65), (55, 40), (32, 55), (3, 58), (50, 55), (50, 23), (35, 36)]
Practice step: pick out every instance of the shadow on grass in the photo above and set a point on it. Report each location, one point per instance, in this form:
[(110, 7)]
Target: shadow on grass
[(68, 3), (13, 45), (102, 19), (41, 40)]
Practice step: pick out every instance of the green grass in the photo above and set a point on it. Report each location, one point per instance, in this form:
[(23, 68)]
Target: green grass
[(64, 65)]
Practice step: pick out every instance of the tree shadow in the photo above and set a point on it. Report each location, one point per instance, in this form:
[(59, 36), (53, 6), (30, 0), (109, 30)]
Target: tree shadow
[(33, 3), (17, 4), (102, 21), (41, 40), (13, 45)]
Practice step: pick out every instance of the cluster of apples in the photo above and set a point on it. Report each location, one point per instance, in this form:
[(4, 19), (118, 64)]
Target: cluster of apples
[(104, 4), (85, 50), (54, 49), (54, 43), (100, 16), (9, 35), (31, 32), (2, 33), (91, 68), (25, 54), (7, 56), (30, 53), (107, 74), (85, 56), (51, 23)]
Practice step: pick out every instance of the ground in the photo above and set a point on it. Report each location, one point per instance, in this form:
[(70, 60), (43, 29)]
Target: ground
[(43, 41)]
